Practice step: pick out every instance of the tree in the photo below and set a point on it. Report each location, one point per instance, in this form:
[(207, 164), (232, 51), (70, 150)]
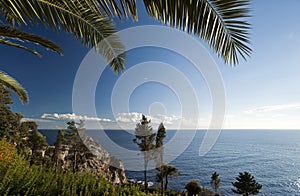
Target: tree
[(193, 188), (246, 185), (215, 182), (83, 19), (9, 121), (220, 23), (144, 138), (164, 173), (160, 136), (37, 143), (78, 147), (58, 145)]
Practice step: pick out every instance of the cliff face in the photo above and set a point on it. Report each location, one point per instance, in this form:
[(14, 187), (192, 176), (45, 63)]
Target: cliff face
[(89, 156)]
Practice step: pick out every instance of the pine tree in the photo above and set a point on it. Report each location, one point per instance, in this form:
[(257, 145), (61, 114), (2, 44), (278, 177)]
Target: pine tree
[(78, 147), (164, 173), (144, 138), (57, 150), (10, 122), (37, 143), (246, 185), (160, 136)]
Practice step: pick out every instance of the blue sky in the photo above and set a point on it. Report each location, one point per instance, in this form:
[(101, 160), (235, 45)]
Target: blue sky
[(262, 92)]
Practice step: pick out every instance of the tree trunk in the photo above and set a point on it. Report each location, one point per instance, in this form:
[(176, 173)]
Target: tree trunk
[(161, 173), (162, 183), (166, 183), (75, 162), (145, 176)]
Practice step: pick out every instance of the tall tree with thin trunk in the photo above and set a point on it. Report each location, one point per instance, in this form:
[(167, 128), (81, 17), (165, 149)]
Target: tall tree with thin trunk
[(215, 182), (144, 138), (159, 142)]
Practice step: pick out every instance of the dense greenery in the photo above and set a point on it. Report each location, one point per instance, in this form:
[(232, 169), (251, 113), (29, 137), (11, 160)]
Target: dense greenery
[(246, 185), (193, 188), (18, 177)]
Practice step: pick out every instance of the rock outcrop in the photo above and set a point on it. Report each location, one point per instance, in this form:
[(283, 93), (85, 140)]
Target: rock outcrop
[(90, 156)]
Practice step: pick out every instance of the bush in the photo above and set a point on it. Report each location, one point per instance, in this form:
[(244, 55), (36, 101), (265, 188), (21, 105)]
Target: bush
[(193, 188), (17, 177)]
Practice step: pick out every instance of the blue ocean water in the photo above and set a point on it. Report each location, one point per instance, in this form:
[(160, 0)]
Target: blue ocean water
[(271, 156)]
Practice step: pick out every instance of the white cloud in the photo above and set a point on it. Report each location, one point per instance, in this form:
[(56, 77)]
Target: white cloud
[(131, 117), (272, 108), (135, 117), (129, 120), (73, 116), (36, 120)]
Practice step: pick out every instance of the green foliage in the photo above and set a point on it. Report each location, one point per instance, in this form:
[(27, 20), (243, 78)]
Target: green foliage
[(220, 23), (24, 135), (83, 19), (9, 121), (144, 138), (14, 85), (19, 178), (37, 143), (10, 34), (193, 188), (246, 185), (164, 173), (215, 181), (159, 142), (73, 138)]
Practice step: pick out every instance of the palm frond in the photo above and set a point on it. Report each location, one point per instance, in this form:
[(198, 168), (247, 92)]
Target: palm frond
[(9, 43), (14, 85), (218, 22), (16, 34), (120, 8), (81, 18)]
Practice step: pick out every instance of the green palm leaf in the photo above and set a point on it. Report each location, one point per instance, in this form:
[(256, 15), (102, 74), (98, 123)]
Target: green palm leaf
[(218, 22), (121, 8), (16, 34), (81, 18), (14, 85)]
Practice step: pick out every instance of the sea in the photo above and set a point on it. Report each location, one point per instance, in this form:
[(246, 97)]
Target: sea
[(271, 156)]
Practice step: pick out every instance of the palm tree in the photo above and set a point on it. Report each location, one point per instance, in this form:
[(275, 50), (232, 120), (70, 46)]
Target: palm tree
[(81, 18), (215, 182), (218, 22), (14, 85)]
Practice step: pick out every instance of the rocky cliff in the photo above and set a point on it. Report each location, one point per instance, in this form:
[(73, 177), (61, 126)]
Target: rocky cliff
[(90, 156)]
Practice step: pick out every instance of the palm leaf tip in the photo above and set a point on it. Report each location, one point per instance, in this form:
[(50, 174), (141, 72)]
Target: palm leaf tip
[(220, 23), (120, 8), (81, 18), (15, 86), (7, 32)]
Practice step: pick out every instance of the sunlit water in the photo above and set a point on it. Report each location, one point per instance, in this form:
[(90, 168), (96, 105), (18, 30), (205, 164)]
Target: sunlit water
[(273, 157)]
